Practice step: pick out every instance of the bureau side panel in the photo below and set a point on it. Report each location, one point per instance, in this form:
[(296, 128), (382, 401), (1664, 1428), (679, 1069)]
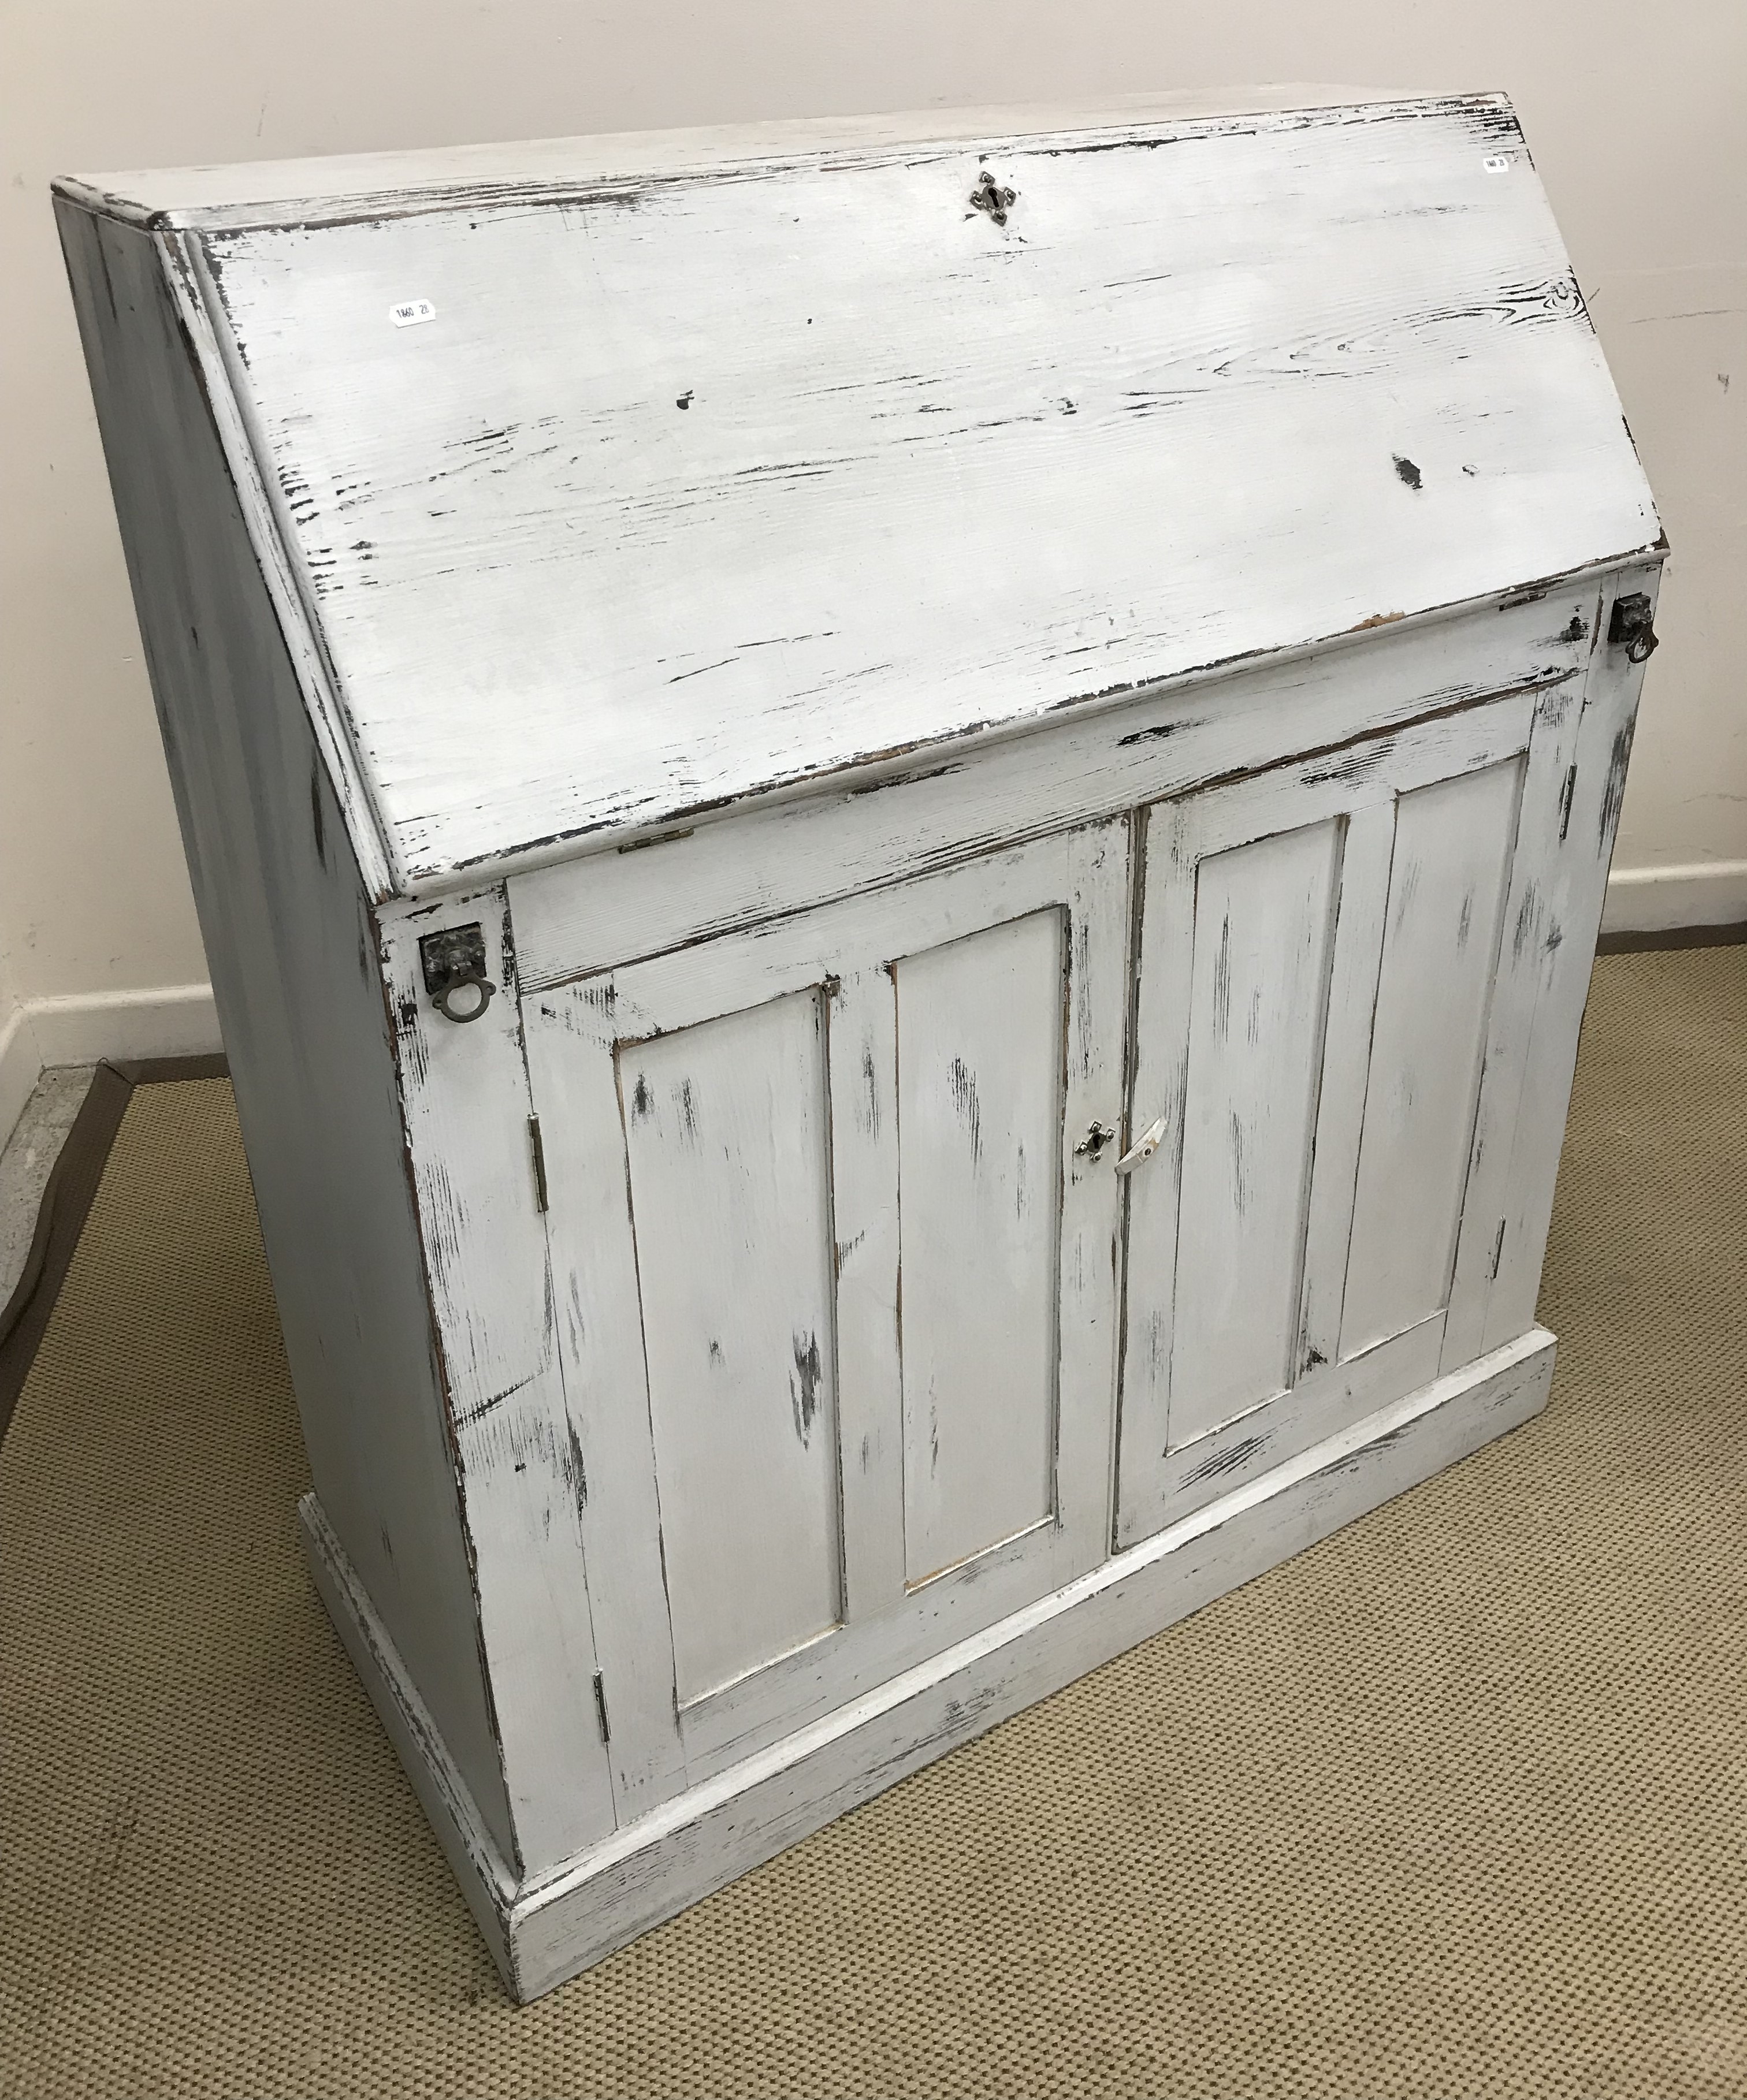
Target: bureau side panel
[(292, 948)]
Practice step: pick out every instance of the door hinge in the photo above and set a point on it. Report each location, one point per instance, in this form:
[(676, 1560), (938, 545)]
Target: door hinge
[(538, 1151), (1498, 1250), (600, 1708), (1566, 794)]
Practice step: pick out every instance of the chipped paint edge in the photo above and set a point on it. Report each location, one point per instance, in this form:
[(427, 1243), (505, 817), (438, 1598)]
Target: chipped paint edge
[(182, 262), (552, 1927), (865, 770), (531, 170), (486, 1880)]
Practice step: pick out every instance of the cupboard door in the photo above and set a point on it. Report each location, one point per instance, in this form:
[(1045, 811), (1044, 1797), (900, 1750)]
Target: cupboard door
[(1318, 948), (836, 1291)]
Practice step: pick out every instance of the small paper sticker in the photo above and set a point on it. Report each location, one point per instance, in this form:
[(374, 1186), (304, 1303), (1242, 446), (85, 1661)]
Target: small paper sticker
[(412, 313), (1497, 163)]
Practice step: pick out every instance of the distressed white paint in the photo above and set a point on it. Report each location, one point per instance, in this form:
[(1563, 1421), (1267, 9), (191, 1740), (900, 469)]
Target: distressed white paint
[(339, 185), (1453, 849), (285, 907), (1240, 1224), (726, 1134), (1050, 917), (517, 1450), (556, 1925), (1367, 849), (1263, 919), (981, 1034), (1551, 917), (614, 907), (793, 573), (958, 853)]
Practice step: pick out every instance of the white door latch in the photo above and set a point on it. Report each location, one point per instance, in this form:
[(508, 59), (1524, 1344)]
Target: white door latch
[(1143, 1147)]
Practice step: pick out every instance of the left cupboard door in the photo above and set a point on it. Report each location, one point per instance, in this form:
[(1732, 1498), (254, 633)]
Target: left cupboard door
[(833, 1288)]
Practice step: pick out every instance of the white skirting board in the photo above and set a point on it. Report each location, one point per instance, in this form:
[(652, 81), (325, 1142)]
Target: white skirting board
[(1657, 900), (20, 1067), (83, 1028), (543, 1932)]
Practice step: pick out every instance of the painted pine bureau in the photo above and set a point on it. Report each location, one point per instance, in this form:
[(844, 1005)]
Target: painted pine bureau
[(901, 827)]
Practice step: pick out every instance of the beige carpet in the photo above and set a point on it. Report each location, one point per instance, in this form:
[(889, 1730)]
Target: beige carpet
[(1454, 1804)]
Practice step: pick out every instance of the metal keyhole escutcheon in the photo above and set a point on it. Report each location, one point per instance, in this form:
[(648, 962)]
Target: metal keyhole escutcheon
[(1097, 1136), (993, 197)]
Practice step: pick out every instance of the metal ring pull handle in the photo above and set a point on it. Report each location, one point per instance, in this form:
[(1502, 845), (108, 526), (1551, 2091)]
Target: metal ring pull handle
[(464, 998), (1632, 623), (454, 962)]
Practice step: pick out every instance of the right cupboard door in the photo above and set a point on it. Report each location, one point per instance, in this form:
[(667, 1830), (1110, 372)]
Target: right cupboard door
[(1318, 950)]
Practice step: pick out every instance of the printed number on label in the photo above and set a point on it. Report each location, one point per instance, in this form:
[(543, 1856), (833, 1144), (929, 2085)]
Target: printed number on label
[(412, 313)]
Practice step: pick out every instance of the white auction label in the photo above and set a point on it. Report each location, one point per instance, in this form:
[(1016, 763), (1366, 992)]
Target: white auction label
[(1497, 163), (412, 313)]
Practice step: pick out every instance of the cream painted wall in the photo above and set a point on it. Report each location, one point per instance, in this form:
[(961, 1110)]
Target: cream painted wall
[(1635, 120)]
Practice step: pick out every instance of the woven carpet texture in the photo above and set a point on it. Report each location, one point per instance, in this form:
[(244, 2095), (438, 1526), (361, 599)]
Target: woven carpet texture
[(1453, 1803)]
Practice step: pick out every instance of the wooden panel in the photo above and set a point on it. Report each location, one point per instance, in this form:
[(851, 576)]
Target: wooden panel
[(1452, 861), (1263, 920), (845, 956), (611, 908), (863, 1040), (980, 1039), (292, 946), (1572, 793), (1347, 797), (1557, 944), (622, 1887), (523, 1475), (726, 1131), (569, 1039), (754, 524), (305, 191), (1365, 854)]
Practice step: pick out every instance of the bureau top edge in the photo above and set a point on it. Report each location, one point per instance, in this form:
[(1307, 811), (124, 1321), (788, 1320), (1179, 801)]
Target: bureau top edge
[(782, 463), (1128, 717), (338, 186)]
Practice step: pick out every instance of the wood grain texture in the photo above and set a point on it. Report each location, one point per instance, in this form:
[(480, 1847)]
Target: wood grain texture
[(1022, 720), (714, 550), (518, 1452), (343, 186), (1264, 916), (728, 1144), (1572, 789), (1240, 1226), (605, 909), (1454, 843), (1367, 848), (293, 948), (981, 1039), (586, 1042), (608, 1896)]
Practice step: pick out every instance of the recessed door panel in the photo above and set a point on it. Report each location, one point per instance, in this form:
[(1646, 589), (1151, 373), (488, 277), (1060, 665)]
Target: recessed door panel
[(835, 1240), (1316, 960), (1264, 915), (1446, 893), (725, 1133), (981, 1026)]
